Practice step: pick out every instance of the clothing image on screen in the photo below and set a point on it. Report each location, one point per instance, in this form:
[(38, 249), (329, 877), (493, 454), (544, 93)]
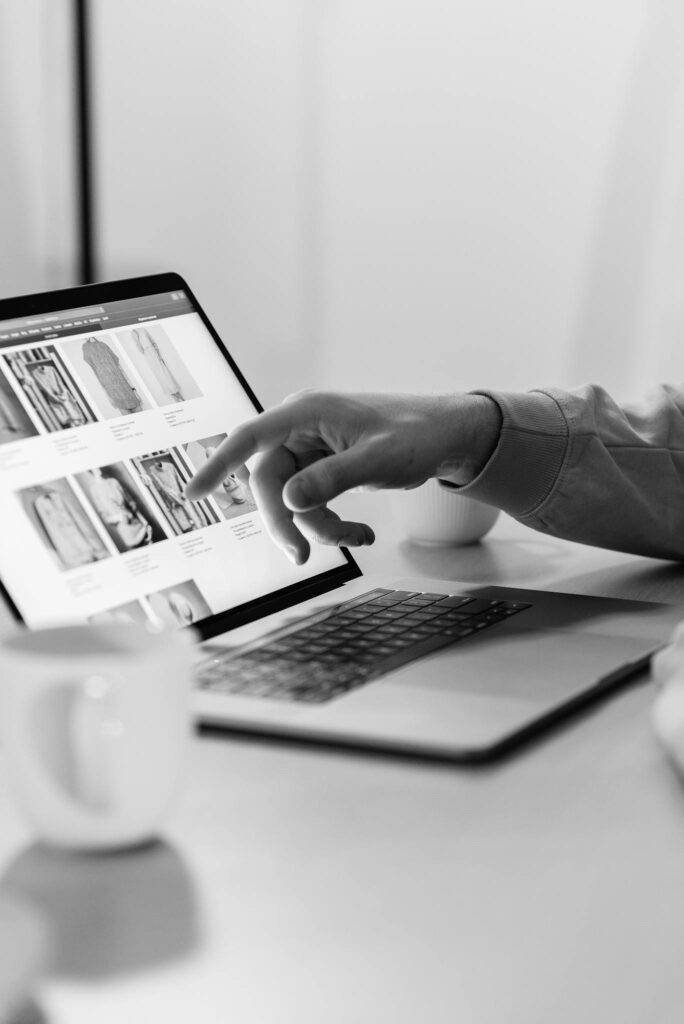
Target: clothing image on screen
[(164, 373), (165, 476), (62, 524), (125, 513), (49, 387), (130, 613), (233, 495), (15, 423), (108, 379), (179, 605)]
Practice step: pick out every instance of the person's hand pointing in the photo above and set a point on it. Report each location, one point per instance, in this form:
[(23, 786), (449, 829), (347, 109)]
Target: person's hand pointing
[(316, 445)]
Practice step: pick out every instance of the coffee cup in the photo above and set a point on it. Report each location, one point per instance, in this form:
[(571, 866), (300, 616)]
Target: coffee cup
[(94, 724), (436, 515)]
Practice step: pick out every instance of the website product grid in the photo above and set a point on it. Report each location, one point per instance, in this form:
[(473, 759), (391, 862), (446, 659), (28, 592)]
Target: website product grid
[(100, 431)]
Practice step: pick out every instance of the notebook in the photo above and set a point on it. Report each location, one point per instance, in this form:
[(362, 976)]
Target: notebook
[(111, 397)]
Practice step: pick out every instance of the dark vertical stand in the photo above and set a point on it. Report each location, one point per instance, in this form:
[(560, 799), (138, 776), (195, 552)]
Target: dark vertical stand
[(86, 255)]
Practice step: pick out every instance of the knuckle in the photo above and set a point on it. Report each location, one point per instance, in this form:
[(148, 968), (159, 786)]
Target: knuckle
[(299, 396), (257, 475), (323, 538), (319, 526), (281, 519)]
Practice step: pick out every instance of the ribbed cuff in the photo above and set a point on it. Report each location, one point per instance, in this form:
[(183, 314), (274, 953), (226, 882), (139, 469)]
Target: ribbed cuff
[(525, 464)]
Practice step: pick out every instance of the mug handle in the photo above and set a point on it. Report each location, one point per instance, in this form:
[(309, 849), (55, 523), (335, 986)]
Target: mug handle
[(76, 721)]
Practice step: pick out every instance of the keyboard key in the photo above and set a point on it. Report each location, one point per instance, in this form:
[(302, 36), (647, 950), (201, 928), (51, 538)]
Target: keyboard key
[(384, 632), (452, 615), (433, 628), (427, 612), (413, 620), (456, 632), (369, 596), (374, 620), (475, 606), (391, 599), (453, 601), (402, 595)]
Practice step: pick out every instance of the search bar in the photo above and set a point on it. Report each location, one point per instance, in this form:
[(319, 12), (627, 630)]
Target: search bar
[(52, 318)]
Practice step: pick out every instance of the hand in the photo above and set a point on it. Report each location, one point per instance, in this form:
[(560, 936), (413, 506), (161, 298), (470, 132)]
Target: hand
[(316, 445)]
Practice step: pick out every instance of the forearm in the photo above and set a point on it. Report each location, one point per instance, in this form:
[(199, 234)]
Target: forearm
[(579, 466)]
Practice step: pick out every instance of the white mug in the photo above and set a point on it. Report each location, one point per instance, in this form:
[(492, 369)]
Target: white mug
[(432, 514), (94, 723)]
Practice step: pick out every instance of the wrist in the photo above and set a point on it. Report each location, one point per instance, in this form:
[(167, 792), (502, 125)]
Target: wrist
[(476, 428)]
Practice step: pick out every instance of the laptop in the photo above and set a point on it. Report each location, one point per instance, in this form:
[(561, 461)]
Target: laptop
[(111, 397)]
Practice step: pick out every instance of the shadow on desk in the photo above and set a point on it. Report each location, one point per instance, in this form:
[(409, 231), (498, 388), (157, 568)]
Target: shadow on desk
[(109, 913), (507, 562)]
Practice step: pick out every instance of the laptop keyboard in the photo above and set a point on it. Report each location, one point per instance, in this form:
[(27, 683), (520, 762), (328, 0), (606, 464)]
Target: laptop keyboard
[(330, 654)]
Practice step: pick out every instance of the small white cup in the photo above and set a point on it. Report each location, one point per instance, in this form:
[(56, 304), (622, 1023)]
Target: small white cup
[(432, 514), (94, 722)]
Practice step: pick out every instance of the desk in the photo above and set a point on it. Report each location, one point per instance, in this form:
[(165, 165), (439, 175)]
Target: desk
[(308, 886)]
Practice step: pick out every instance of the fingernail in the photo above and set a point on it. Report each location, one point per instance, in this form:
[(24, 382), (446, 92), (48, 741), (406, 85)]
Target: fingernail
[(293, 555), (350, 540)]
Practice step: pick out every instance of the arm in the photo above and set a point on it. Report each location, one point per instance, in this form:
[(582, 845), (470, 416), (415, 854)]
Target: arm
[(579, 466), (573, 464)]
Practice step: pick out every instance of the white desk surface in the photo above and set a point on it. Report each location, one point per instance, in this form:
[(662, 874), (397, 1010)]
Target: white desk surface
[(308, 886)]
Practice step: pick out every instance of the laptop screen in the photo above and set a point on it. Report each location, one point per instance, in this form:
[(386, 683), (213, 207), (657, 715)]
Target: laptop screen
[(106, 411)]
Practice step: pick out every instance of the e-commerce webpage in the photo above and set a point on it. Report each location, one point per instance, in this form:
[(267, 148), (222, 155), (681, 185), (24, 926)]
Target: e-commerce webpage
[(106, 412)]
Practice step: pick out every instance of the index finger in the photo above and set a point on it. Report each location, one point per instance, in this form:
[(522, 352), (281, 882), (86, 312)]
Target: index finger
[(267, 430)]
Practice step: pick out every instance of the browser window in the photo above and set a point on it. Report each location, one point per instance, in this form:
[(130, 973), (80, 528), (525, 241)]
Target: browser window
[(105, 414)]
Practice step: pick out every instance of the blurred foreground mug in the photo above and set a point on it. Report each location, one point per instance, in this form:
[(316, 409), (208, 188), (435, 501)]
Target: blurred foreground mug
[(94, 722), (432, 514)]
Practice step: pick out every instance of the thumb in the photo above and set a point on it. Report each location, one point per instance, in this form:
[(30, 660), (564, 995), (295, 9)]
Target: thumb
[(329, 477)]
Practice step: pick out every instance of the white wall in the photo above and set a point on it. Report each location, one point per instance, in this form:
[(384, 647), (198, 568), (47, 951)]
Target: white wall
[(200, 164), (36, 173), (404, 194), (487, 180)]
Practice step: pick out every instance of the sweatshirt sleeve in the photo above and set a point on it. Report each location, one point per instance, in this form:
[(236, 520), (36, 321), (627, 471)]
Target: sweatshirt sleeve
[(577, 465)]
